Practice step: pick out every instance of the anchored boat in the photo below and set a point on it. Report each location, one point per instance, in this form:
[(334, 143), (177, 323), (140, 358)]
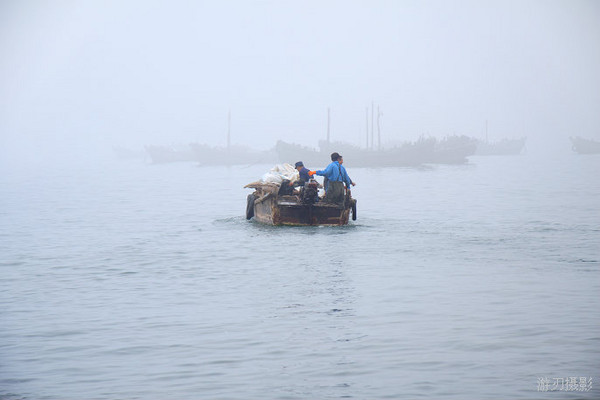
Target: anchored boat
[(279, 204), (426, 150), (585, 146)]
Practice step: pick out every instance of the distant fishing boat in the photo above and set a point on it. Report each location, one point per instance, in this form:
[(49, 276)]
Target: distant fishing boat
[(231, 155), (169, 154), (425, 150), (207, 155), (585, 146), (502, 147)]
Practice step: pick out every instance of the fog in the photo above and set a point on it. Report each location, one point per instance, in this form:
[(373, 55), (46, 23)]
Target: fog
[(126, 279), (79, 77)]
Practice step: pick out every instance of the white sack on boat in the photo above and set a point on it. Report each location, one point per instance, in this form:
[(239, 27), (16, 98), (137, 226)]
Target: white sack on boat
[(280, 172)]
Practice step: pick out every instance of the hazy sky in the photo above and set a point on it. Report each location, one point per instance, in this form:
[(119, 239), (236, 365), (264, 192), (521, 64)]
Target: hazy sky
[(131, 73)]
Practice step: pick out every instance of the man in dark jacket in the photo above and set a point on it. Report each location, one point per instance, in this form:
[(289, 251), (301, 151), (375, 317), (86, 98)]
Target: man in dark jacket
[(303, 171), (304, 175)]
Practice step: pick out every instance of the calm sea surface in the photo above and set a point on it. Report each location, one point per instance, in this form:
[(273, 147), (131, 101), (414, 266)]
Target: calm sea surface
[(124, 280)]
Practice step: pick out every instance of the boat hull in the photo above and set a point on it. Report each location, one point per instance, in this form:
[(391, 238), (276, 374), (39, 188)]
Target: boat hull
[(282, 211), (451, 150), (585, 146)]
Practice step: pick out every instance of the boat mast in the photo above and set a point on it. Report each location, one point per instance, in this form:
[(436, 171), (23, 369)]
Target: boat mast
[(328, 123), (372, 122), (367, 119), (228, 130), (378, 130)]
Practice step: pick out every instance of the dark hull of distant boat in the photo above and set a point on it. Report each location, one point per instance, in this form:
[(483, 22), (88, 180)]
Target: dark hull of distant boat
[(233, 155), (170, 154), (585, 146), (452, 150), (206, 155)]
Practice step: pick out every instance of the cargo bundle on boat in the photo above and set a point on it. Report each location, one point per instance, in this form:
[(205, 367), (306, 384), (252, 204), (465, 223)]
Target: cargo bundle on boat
[(276, 202)]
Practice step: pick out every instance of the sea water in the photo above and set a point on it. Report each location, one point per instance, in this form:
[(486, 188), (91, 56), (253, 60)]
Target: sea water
[(126, 280)]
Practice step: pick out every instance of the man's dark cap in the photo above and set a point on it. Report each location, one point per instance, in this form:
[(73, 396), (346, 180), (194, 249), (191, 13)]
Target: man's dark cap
[(299, 164), (335, 156)]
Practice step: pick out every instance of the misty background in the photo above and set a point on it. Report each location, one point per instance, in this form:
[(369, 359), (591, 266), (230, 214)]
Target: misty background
[(77, 78), (129, 280)]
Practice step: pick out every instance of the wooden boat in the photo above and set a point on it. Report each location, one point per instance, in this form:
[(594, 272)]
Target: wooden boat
[(271, 205)]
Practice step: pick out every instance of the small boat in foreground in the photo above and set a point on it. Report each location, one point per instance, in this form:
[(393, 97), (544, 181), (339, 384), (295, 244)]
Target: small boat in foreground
[(274, 204)]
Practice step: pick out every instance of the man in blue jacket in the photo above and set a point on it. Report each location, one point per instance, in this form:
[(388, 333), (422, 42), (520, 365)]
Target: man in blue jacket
[(336, 176)]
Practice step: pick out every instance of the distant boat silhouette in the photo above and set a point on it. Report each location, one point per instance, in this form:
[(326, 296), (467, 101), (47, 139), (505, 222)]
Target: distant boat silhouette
[(207, 155), (169, 154), (231, 155), (425, 150), (585, 146)]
